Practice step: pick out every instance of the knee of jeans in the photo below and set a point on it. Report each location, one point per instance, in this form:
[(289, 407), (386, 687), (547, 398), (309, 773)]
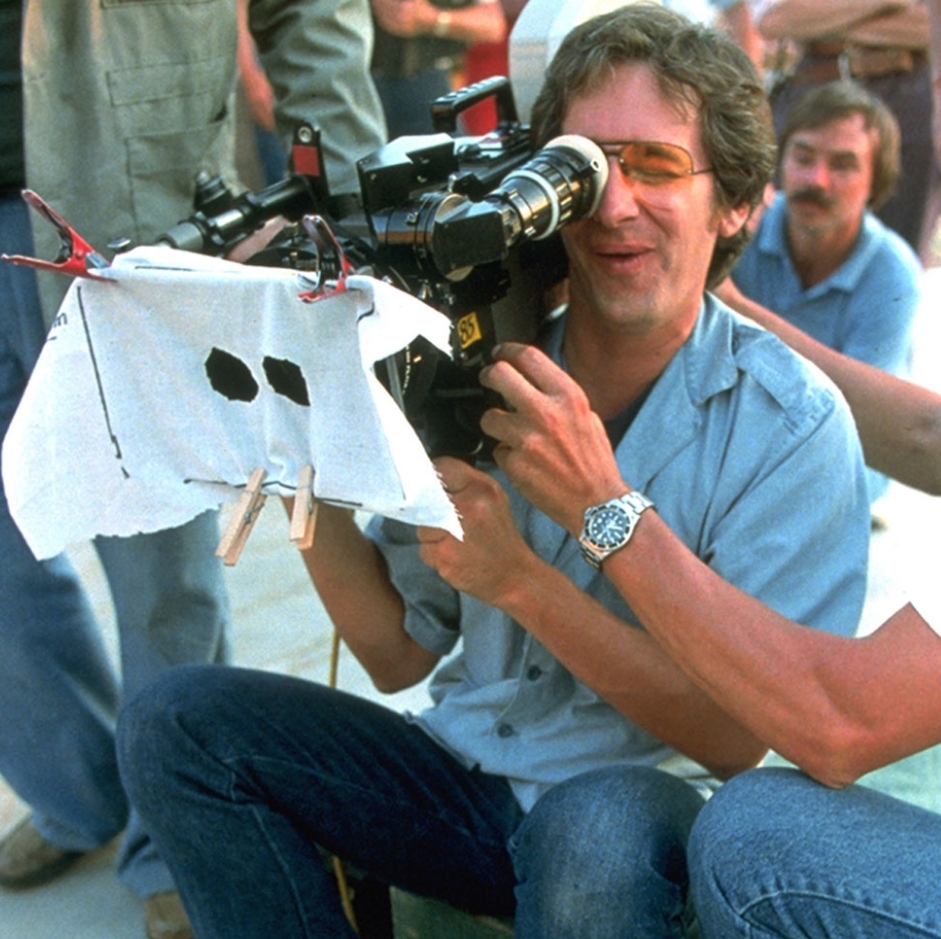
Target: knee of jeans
[(619, 823), (148, 730), (750, 802), (747, 818)]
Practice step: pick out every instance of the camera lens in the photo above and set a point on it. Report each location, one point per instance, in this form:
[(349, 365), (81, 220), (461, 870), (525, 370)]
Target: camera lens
[(561, 183)]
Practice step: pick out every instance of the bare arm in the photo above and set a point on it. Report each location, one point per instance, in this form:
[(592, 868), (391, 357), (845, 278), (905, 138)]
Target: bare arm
[(258, 92), (835, 706), (810, 19), (478, 22), (367, 611), (899, 423), (618, 661), (739, 23)]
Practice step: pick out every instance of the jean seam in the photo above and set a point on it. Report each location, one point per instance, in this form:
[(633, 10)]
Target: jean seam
[(238, 799), (284, 867), (870, 909)]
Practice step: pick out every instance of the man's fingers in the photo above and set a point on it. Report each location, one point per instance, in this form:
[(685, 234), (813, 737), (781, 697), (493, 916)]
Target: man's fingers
[(501, 426), (258, 240), (523, 376), (455, 474), (534, 364), (426, 535)]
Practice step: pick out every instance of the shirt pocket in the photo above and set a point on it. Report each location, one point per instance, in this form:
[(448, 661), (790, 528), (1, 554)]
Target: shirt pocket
[(174, 120), (162, 168)]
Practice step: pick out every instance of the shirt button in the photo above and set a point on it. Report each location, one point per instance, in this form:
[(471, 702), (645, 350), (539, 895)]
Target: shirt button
[(533, 672), (505, 730)]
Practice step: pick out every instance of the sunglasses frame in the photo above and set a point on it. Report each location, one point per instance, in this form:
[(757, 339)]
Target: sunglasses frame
[(616, 149)]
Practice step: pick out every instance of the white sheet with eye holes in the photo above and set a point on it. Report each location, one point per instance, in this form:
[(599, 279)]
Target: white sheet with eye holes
[(160, 389)]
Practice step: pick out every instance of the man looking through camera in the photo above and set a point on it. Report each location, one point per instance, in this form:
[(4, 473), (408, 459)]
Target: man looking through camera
[(558, 772)]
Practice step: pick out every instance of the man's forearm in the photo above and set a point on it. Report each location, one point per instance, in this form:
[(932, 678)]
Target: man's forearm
[(479, 22), (367, 611), (631, 672), (836, 707), (810, 19)]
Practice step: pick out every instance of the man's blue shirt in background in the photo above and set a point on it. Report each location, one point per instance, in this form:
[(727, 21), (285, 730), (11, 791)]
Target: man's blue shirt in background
[(865, 309)]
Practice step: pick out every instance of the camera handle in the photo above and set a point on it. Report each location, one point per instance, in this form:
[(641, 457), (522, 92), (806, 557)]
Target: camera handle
[(445, 110)]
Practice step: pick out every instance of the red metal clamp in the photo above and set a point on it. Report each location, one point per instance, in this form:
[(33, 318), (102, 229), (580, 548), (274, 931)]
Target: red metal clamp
[(323, 237), (76, 257)]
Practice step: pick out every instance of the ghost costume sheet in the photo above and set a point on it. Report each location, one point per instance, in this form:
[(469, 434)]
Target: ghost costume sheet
[(161, 388)]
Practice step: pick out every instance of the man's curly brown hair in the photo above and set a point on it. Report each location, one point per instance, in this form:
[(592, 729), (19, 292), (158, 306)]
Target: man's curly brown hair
[(698, 68)]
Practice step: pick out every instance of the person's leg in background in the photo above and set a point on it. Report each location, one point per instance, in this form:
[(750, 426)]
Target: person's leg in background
[(59, 696), (407, 101), (171, 608), (913, 209)]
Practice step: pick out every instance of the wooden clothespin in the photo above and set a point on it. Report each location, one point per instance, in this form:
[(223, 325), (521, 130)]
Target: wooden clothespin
[(304, 515), (243, 518)]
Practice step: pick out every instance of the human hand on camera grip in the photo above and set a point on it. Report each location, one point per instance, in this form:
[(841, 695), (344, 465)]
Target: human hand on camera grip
[(550, 443), (492, 560), (556, 452)]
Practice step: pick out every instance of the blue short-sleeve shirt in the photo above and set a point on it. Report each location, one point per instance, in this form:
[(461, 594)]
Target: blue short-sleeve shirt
[(752, 459), (865, 309)]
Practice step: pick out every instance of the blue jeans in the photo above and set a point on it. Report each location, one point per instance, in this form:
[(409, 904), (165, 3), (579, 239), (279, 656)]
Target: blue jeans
[(59, 696), (407, 102), (774, 854), (242, 776)]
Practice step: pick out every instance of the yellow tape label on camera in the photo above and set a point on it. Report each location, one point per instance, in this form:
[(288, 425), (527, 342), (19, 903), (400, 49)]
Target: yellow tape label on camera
[(468, 330)]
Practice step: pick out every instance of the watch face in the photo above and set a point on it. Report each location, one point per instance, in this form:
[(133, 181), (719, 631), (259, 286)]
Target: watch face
[(608, 526)]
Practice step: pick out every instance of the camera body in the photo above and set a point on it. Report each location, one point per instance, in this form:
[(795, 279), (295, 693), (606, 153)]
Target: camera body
[(466, 224)]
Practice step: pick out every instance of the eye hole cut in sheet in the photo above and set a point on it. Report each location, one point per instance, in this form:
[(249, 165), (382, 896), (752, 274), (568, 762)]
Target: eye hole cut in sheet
[(161, 389), (231, 377)]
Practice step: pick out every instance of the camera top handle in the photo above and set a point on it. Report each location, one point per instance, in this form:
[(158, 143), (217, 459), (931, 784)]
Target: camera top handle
[(445, 110)]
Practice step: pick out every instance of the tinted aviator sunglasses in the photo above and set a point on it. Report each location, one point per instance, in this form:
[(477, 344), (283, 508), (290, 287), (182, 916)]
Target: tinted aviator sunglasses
[(652, 163)]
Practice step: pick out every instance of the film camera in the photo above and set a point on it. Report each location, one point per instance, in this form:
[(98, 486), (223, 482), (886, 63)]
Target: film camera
[(467, 224)]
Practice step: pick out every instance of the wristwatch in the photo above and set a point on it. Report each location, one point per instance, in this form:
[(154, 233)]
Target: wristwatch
[(442, 25), (609, 526)]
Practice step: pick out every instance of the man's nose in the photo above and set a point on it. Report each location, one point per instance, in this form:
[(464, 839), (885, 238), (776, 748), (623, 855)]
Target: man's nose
[(817, 173), (619, 198)]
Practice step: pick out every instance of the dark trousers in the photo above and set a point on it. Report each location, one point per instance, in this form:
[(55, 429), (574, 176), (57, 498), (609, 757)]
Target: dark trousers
[(243, 776)]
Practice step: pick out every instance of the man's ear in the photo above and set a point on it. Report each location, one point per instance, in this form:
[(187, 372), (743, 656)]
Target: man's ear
[(731, 220)]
